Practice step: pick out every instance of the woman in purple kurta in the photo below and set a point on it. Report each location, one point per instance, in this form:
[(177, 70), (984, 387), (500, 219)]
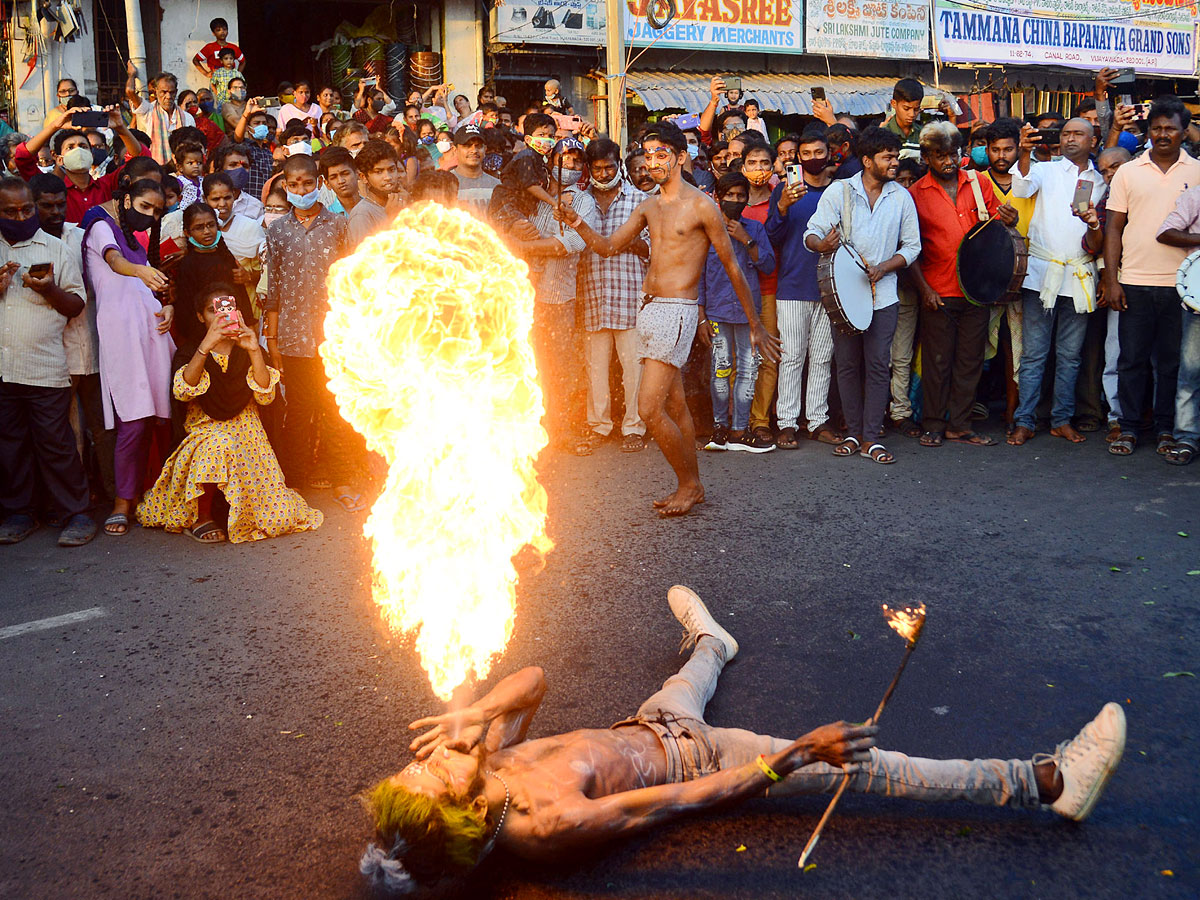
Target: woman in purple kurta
[(135, 346)]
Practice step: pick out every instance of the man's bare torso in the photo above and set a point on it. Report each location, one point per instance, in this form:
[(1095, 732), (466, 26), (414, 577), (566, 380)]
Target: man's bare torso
[(680, 242)]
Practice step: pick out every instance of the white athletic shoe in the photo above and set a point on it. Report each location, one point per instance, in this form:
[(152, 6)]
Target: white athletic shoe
[(1087, 761), (694, 616)]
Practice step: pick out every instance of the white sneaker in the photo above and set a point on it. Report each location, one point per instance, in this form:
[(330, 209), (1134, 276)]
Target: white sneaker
[(1087, 761), (694, 616)]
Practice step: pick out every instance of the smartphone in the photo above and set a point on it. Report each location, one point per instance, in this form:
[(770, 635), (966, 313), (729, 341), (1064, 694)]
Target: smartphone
[(1083, 195), (568, 123), (818, 93), (225, 307), (794, 173), (1124, 76), (1125, 100), (1050, 136), (370, 82), (683, 123), (40, 270), (90, 118), (733, 82), (267, 102)]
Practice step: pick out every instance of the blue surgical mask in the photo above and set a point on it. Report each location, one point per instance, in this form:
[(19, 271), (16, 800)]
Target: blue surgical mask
[(693, 150), (197, 244), (259, 132), (304, 201), (170, 209), (979, 156)]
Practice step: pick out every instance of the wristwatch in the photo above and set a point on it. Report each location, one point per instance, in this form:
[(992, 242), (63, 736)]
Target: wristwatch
[(751, 244)]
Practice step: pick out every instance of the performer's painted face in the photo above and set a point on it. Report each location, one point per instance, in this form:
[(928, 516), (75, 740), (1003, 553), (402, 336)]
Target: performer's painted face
[(661, 159), (445, 773)]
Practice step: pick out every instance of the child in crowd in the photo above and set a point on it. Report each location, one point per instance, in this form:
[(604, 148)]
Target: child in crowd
[(727, 325), (223, 378), (524, 182), (754, 119), (225, 73), (189, 166), (207, 60)]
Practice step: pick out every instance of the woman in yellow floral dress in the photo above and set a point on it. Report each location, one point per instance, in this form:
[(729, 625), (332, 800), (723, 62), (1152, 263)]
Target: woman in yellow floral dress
[(224, 381)]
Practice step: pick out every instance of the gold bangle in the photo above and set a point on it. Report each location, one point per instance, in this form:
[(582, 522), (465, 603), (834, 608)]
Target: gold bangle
[(766, 769)]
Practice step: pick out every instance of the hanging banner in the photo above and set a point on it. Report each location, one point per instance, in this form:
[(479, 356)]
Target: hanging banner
[(1149, 35), (748, 26), (573, 22), (895, 30)]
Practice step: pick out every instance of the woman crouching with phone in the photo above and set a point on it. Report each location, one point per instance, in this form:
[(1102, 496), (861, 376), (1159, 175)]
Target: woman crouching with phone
[(224, 379)]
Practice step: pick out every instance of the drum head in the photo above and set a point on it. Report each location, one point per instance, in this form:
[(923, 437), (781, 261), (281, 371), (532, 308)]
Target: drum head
[(853, 290), (1187, 281), (986, 262)]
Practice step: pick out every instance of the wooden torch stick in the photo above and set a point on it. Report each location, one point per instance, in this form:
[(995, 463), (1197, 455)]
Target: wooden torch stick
[(874, 720)]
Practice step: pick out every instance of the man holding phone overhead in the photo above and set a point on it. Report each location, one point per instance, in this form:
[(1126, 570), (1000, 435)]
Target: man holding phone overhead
[(1059, 290)]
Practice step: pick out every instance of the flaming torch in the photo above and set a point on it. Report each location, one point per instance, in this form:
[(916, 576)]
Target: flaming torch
[(427, 352), (907, 623)]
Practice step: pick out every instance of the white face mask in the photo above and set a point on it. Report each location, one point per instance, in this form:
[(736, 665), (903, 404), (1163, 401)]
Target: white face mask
[(444, 146), (607, 185), (270, 217), (78, 159), (355, 152), (45, 170), (300, 148)]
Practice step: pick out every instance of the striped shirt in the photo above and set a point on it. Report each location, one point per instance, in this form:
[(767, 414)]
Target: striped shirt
[(31, 330), (611, 289), (878, 234), (557, 281)]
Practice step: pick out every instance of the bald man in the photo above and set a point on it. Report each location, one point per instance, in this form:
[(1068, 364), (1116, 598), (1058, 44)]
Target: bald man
[(1059, 291)]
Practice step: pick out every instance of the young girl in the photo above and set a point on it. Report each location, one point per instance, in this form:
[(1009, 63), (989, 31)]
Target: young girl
[(224, 378), (301, 109), (135, 348), (189, 166)]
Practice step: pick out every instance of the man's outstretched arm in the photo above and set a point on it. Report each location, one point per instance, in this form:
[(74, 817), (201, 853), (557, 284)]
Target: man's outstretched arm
[(618, 241), (504, 713), (580, 822)]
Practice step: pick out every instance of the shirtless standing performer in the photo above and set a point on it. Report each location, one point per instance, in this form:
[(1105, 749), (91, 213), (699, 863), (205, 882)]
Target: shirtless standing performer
[(477, 783), (683, 223)]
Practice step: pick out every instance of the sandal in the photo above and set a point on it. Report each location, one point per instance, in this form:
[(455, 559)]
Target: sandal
[(825, 435), (878, 453), (1179, 455), (115, 521), (848, 446), (79, 530), (632, 443), (16, 528), (1166, 442), (206, 533), (906, 427), (764, 433), (931, 439), (1123, 445), (974, 438), (351, 502), (787, 439)]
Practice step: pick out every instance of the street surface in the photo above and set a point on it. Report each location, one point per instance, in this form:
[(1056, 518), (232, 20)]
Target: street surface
[(205, 732)]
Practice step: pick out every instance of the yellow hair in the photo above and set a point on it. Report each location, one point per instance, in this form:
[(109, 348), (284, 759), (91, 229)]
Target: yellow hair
[(441, 837)]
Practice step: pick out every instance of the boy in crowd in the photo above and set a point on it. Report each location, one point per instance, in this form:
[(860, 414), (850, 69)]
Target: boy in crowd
[(338, 171), (225, 72), (207, 60), (728, 328), (379, 177), (525, 181), (906, 109)]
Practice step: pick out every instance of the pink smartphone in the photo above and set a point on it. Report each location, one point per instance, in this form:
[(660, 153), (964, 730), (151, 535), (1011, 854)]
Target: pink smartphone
[(226, 308)]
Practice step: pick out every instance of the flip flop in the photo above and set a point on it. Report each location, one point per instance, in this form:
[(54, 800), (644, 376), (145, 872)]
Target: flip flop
[(201, 533), (79, 530), (351, 502), (931, 439), (117, 519), (974, 438), (847, 447)]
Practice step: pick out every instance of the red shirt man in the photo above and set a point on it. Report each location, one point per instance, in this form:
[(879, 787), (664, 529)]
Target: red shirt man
[(944, 223)]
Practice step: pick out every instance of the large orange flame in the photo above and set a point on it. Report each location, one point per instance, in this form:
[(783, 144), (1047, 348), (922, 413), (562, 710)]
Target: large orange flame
[(427, 351)]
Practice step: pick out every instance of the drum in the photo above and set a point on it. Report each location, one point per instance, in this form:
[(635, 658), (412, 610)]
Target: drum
[(845, 290), (992, 260), (1187, 281)]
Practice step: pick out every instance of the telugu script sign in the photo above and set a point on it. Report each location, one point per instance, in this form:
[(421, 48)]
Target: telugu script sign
[(891, 30), (749, 26), (1149, 35)]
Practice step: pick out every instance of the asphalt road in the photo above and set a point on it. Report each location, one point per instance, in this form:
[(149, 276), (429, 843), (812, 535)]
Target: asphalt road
[(206, 735)]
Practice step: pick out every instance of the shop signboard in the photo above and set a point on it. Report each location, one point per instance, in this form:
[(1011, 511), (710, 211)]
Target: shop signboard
[(749, 26), (1148, 35), (889, 30), (577, 23)]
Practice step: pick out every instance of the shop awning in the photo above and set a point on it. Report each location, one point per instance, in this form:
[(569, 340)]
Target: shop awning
[(857, 95)]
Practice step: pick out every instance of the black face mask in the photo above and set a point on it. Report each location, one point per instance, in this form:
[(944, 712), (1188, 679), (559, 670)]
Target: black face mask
[(15, 231), (732, 209), (815, 166), (139, 221)]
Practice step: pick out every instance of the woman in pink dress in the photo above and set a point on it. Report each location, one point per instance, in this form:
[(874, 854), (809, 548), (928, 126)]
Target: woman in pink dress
[(301, 109), (135, 346)]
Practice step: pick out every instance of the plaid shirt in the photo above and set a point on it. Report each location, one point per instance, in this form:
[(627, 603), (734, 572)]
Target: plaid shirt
[(611, 289), (557, 281), (261, 165)]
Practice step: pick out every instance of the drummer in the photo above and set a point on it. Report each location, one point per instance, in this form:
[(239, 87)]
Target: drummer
[(1059, 291), (953, 330), (883, 230)]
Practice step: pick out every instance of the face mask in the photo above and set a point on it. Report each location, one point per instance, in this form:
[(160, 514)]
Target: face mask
[(607, 185), (259, 132), (271, 217), (304, 201), (733, 208), (428, 140), (139, 221), (198, 245), (78, 159), (286, 98), (174, 207), (979, 156), (99, 156), (693, 150), (207, 106), (759, 177), (814, 166), (300, 148), (238, 94), (45, 170), (240, 178), (542, 145), (193, 109), (570, 177), (14, 232), (444, 146)]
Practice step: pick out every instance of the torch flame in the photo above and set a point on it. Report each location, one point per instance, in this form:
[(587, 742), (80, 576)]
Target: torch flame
[(427, 352), (906, 622)]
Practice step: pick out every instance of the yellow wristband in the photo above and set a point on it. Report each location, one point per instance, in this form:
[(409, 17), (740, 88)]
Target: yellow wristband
[(767, 770)]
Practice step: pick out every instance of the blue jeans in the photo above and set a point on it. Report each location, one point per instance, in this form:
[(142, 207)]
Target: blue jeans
[(1187, 389), (1039, 326), (732, 342)]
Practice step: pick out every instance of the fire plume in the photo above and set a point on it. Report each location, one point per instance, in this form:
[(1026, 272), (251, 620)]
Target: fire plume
[(906, 622), (427, 352)]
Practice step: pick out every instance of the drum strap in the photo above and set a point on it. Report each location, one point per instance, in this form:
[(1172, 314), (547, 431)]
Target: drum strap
[(980, 206)]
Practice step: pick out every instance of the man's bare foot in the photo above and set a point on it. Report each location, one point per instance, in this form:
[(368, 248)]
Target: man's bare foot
[(680, 502), (1069, 433), (1020, 435)]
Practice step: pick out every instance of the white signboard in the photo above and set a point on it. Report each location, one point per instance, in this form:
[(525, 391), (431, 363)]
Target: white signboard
[(889, 30), (573, 22)]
